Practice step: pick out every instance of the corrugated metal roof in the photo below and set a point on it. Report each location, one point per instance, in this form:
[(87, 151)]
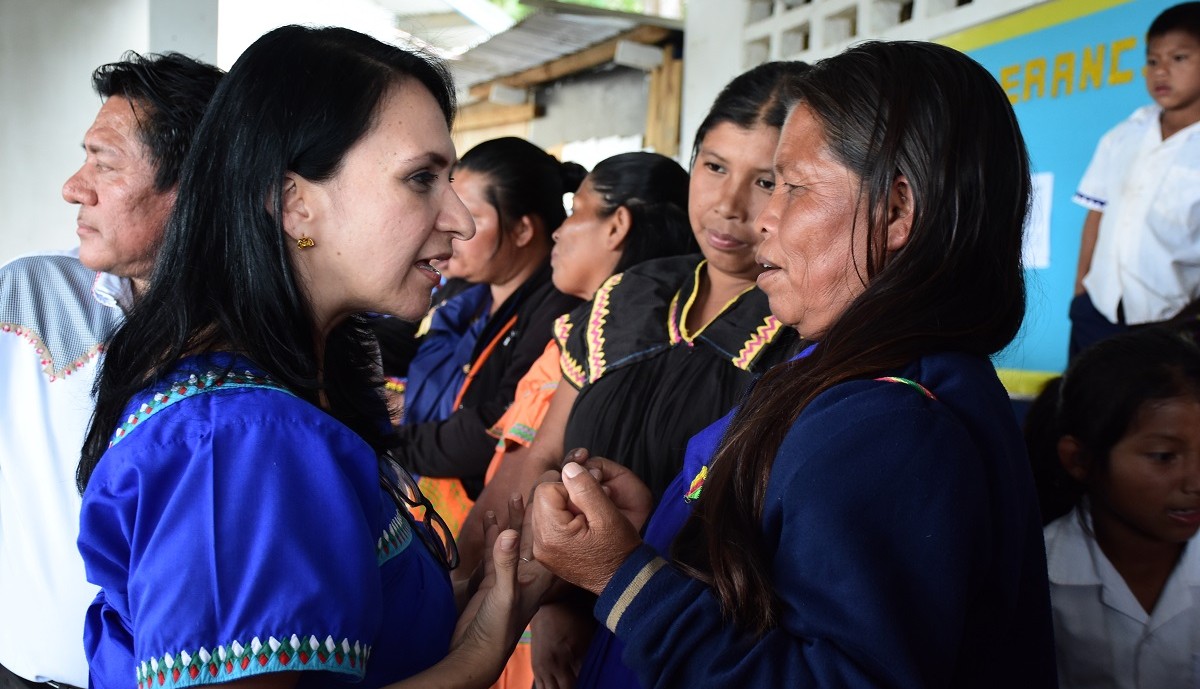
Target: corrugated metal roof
[(536, 40)]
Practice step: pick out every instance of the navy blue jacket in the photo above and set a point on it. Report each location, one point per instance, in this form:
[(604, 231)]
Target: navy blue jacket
[(906, 545)]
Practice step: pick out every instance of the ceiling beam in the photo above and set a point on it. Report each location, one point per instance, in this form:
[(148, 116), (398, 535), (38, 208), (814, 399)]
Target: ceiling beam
[(484, 114), (594, 56), (485, 14), (418, 23), (572, 8)]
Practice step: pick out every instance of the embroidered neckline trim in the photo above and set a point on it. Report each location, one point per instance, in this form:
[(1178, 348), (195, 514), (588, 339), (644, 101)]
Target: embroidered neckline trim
[(193, 385)]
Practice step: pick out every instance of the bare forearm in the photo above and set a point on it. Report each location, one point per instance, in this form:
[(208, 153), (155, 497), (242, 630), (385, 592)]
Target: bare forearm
[(518, 472), (1087, 247)]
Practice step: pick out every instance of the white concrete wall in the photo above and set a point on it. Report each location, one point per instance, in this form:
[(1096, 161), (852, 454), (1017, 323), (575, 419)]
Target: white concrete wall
[(48, 49), (47, 104), (725, 37), (185, 26), (790, 30), (243, 21), (712, 55), (611, 103)]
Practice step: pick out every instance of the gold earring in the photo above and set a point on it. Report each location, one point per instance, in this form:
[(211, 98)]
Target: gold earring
[(305, 242)]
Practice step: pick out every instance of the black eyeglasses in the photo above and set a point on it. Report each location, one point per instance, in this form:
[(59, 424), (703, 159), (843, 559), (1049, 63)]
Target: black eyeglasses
[(432, 529)]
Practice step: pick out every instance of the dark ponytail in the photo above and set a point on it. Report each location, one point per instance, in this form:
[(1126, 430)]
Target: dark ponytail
[(571, 174), (654, 189), (523, 180)]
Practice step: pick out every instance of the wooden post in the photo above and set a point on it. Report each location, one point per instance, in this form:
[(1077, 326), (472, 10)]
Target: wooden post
[(664, 104)]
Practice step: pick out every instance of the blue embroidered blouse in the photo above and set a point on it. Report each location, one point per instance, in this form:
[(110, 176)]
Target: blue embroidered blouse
[(243, 531)]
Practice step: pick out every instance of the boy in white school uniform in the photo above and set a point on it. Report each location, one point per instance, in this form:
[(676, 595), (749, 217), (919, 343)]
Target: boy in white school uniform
[(1139, 259)]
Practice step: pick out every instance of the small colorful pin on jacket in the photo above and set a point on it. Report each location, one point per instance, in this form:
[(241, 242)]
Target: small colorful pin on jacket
[(693, 493)]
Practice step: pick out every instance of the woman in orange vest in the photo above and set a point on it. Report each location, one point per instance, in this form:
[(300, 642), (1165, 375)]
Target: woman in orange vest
[(484, 339)]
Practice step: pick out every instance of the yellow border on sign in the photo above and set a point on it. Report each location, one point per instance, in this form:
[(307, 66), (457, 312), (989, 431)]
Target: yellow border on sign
[(1024, 384), (1025, 22)]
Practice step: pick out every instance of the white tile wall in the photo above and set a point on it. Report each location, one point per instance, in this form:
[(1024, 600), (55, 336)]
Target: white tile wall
[(812, 29)]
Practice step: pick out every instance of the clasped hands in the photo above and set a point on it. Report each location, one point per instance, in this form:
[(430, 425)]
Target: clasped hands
[(586, 519)]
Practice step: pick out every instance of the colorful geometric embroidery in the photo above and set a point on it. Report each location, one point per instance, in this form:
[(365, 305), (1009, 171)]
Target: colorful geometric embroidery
[(697, 486), (571, 369), (394, 540), (235, 661), (595, 331), (759, 340), (194, 385), (43, 352), (522, 432), (911, 383)]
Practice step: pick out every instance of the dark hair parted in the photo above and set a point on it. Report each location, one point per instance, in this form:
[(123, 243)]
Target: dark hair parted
[(523, 180), (169, 92), (759, 96), (654, 189), (1182, 17), (937, 117), (1099, 398), (295, 101)]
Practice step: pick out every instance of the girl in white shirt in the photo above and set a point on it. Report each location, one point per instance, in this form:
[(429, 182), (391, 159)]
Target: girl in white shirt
[(1118, 439)]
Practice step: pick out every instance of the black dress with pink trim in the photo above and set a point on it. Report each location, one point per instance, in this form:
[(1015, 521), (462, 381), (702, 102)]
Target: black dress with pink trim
[(646, 384)]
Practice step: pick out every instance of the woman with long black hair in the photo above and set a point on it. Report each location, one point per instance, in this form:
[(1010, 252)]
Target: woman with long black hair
[(866, 517), (240, 513)]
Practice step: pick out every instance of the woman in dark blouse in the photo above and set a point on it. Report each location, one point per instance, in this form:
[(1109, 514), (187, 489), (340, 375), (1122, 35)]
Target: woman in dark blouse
[(667, 347), (514, 191)]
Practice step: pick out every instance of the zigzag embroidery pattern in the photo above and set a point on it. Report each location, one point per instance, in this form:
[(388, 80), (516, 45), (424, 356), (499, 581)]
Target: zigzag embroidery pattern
[(596, 363), (761, 338), (570, 368)]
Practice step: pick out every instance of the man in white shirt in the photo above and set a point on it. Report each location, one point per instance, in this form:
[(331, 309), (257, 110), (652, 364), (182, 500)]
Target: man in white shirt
[(55, 312)]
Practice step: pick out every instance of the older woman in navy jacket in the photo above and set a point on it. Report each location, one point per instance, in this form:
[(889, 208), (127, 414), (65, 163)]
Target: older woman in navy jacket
[(866, 518)]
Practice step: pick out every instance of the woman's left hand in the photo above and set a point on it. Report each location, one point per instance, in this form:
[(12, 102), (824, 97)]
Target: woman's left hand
[(579, 533)]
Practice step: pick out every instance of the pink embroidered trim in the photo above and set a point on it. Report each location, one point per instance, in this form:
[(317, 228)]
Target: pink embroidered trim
[(571, 369), (595, 331), (43, 351)]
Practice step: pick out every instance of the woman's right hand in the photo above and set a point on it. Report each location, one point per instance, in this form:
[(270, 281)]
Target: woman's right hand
[(622, 486), (580, 532)]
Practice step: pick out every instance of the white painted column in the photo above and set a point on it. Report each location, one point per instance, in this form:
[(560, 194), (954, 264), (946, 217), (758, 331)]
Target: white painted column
[(712, 54), (184, 26), (48, 49)]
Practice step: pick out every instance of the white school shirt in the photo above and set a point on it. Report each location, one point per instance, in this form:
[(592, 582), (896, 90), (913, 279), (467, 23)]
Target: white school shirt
[(54, 313), (1104, 638), (1147, 253)]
